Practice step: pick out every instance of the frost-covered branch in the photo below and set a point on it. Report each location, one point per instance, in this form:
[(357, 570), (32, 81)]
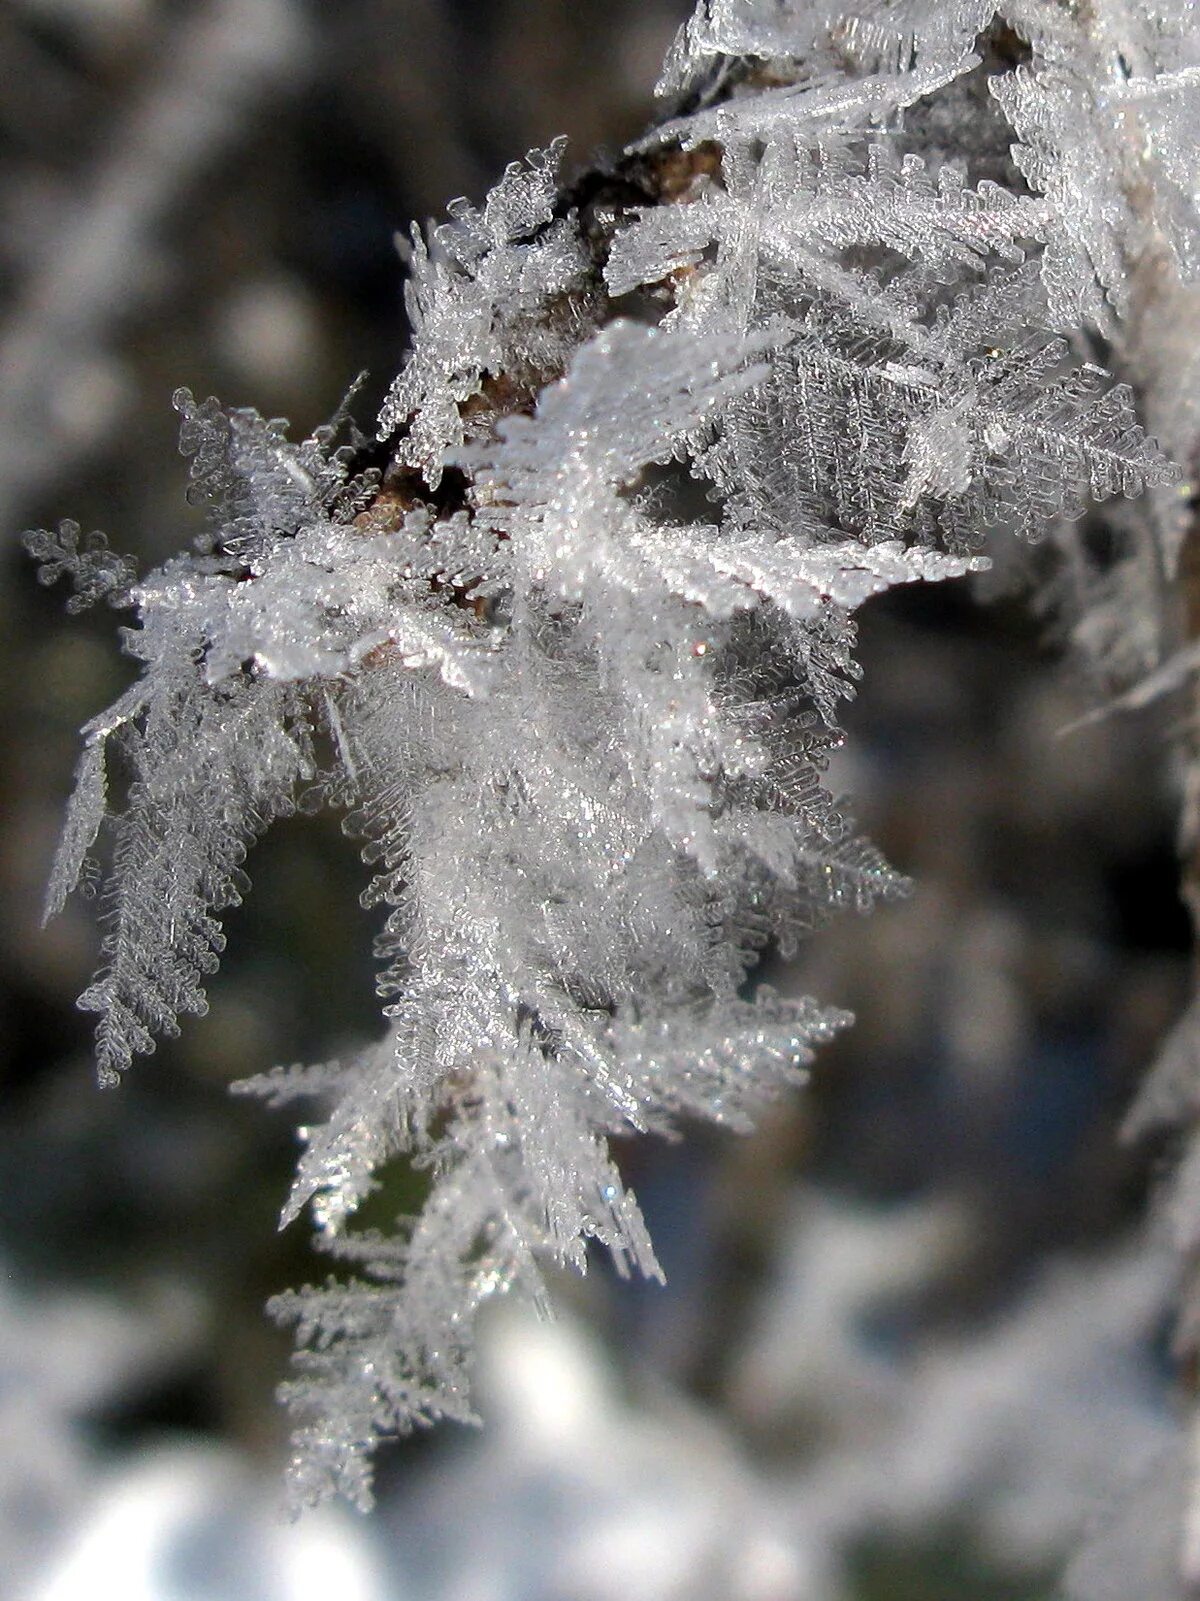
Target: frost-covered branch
[(568, 641)]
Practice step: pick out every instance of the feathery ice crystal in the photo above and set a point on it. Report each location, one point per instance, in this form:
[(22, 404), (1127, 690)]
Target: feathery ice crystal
[(567, 642)]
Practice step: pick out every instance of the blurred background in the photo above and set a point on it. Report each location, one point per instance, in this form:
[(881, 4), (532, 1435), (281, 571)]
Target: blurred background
[(915, 1341)]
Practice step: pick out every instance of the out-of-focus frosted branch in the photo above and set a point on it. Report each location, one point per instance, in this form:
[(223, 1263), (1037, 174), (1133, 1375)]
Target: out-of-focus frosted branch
[(59, 385)]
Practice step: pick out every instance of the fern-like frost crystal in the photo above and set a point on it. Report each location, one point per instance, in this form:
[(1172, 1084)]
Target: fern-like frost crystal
[(571, 663)]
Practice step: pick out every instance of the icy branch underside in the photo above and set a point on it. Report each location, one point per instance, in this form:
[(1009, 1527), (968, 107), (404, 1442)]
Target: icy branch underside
[(569, 640)]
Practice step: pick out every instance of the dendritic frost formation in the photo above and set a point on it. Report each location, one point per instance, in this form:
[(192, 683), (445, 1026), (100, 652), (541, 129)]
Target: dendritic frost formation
[(568, 640)]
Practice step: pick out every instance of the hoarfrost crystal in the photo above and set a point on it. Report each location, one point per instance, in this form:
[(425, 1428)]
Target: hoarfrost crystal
[(571, 659)]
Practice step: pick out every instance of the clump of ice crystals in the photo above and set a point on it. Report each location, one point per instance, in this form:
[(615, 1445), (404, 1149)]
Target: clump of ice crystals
[(579, 712)]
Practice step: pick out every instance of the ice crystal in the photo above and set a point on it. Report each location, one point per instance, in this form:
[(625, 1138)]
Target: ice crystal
[(486, 294), (96, 572), (573, 662)]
